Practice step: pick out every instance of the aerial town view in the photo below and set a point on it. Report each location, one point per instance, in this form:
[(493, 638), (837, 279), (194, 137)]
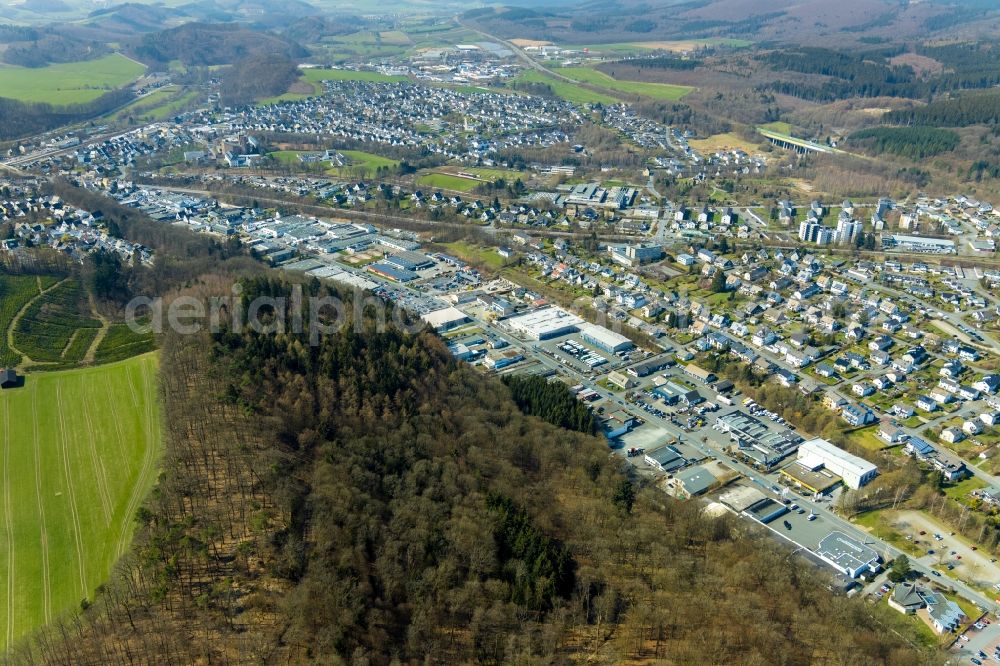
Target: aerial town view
[(433, 332)]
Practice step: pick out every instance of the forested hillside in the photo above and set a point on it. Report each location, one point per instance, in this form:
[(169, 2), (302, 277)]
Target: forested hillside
[(912, 142), (979, 108), (196, 44), (368, 500), (19, 119)]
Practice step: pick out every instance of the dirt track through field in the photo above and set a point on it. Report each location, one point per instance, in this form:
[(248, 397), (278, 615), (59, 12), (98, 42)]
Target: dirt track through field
[(46, 582), (8, 520)]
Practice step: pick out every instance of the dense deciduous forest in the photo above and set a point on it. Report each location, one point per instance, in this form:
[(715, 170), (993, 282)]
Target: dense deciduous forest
[(19, 119), (196, 44), (257, 78), (46, 49), (369, 500), (911, 142)]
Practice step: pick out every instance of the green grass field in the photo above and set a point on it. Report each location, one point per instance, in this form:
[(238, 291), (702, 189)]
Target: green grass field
[(79, 455), (369, 162), (446, 181), (69, 83), (160, 105), (567, 91), (660, 91)]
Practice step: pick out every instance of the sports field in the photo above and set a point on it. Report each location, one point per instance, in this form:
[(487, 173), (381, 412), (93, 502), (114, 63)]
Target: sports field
[(78, 454), (660, 91), (68, 83)]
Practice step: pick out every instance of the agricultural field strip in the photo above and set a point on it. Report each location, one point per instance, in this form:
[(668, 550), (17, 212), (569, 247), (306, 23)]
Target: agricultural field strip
[(8, 519), (147, 464), (46, 582), (99, 470), (71, 491)]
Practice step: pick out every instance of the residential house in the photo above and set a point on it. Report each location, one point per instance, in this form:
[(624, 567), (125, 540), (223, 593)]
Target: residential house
[(972, 427), (952, 435), (857, 415), (890, 433)]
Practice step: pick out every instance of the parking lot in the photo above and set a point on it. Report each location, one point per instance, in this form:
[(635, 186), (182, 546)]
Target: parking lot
[(978, 646)]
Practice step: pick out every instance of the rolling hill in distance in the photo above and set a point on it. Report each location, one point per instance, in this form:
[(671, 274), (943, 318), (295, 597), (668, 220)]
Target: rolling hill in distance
[(584, 332)]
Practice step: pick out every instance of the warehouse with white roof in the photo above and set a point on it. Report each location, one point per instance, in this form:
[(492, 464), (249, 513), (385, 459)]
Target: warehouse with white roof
[(820, 454), (445, 319), (605, 339), (544, 323)]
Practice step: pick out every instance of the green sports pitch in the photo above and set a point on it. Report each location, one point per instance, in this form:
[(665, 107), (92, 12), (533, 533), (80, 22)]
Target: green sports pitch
[(79, 453)]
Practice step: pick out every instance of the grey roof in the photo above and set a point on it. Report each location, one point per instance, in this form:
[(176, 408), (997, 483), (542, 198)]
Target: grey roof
[(906, 594), (846, 552), (696, 480)]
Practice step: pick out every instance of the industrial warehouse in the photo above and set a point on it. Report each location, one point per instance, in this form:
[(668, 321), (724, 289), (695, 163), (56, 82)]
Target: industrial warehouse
[(820, 454)]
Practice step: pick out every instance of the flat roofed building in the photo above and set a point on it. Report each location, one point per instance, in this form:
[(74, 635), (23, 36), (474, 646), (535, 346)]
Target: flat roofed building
[(410, 261), (392, 272), (740, 498), (603, 338), (923, 244), (445, 319), (544, 323), (815, 482), (766, 510), (695, 481), (846, 555), (816, 454)]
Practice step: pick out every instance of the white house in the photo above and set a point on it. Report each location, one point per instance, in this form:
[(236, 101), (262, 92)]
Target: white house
[(952, 435)]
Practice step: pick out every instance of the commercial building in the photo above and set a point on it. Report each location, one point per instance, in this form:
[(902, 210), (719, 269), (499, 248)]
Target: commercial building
[(699, 373), (620, 379), (765, 510), (409, 261), (499, 359), (848, 556), (756, 441), (666, 459), (544, 323), (445, 319), (817, 454), (920, 244), (695, 481), (647, 368), (392, 272), (635, 255), (816, 482), (603, 338)]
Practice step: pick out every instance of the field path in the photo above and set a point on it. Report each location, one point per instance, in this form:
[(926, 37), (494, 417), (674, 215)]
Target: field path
[(8, 520), (20, 315), (99, 470), (68, 472), (88, 358), (138, 488), (46, 582)]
